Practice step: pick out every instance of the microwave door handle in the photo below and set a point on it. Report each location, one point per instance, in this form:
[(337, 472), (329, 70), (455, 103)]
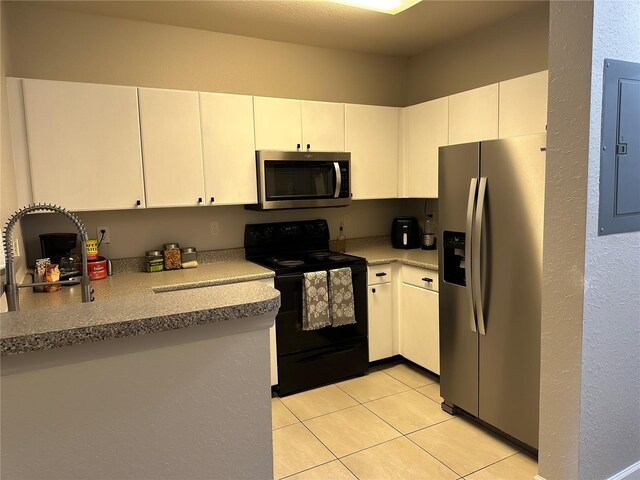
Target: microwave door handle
[(336, 166)]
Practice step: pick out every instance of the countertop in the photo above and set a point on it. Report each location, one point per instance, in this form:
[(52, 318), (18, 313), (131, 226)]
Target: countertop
[(380, 254), (135, 303)]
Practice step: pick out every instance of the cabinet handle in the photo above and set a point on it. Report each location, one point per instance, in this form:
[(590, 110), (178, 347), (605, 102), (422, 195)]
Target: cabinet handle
[(199, 199), (308, 147), (427, 279), (373, 290), (138, 203), (213, 199), (381, 274), (298, 147)]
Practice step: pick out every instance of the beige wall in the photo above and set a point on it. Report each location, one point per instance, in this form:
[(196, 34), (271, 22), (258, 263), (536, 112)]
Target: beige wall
[(8, 197), (134, 231), (514, 47), (60, 45), (564, 233), (609, 424), (590, 358)]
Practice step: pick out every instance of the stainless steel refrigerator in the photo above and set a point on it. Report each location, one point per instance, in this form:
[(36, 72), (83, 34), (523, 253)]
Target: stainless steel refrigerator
[(491, 199)]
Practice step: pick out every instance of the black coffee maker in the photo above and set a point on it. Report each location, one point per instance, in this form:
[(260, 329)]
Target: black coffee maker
[(58, 247)]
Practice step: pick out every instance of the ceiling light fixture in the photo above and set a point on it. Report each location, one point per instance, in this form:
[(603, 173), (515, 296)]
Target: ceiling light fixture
[(385, 6)]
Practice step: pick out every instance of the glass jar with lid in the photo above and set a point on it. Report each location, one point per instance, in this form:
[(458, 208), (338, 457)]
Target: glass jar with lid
[(154, 261), (172, 258), (189, 257)]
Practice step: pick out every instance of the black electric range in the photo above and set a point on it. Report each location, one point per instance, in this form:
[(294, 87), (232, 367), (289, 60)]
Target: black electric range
[(308, 359)]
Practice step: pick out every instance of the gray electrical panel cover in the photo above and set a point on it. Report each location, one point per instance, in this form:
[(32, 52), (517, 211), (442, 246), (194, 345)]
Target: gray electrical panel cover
[(620, 150)]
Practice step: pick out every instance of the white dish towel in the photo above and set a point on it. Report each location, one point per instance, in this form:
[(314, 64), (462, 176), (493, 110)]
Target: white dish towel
[(315, 301), (341, 297)]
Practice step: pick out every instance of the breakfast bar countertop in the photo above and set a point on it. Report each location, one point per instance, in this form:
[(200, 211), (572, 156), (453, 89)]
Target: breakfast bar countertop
[(135, 303)]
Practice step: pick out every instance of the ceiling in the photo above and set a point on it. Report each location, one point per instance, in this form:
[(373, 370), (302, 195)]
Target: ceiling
[(315, 22)]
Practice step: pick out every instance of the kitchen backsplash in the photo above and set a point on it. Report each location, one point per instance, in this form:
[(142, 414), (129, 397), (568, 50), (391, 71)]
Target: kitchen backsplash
[(133, 232)]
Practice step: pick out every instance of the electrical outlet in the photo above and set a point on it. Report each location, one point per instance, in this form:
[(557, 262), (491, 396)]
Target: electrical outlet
[(107, 235), (346, 221), (16, 247), (215, 228)]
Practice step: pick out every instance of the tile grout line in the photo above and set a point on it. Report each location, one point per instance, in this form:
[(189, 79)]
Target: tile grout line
[(329, 413), (432, 455), (367, 448), (307, 469), (288, 409), (373, 399), (351, 471), (492, 463)]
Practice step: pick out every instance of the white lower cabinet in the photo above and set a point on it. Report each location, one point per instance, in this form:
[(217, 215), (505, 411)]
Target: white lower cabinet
[(383, 324), (380, 321), (403, 314), (420, 338)]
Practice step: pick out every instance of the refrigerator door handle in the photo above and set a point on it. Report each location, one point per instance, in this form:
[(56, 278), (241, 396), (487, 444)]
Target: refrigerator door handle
[(476, 254), (468, 252)]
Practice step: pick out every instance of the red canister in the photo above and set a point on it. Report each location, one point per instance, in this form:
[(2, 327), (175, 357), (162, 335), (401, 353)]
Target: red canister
[(97, 268)]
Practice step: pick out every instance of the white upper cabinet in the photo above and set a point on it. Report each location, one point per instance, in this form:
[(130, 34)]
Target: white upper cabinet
[(371, 135), (283, 124), (473, 115), (523, 105), (426, 128), (278, 123), (229, 149), (84, 145), (171, 147), (323, 126)]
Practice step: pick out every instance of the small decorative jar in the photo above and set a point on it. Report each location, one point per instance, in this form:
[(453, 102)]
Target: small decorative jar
[(172, 259), (189, 257), (154, 261)]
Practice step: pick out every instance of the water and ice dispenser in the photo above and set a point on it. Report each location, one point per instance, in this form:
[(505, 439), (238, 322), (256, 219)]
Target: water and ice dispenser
[(453, 257)]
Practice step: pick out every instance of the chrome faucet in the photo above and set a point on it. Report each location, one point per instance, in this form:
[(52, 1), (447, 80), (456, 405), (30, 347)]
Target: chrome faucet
[(11, 287)]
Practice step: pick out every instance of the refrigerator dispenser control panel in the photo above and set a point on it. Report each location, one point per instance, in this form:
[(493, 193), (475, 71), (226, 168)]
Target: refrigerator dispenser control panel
[(453, 257)]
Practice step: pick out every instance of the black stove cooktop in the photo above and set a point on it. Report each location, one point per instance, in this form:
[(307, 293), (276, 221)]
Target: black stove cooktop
[(296, 262), (294, 247)]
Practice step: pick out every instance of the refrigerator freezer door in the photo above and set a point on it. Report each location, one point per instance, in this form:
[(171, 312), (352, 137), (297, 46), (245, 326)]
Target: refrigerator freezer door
[(511, 271), (457, 165)]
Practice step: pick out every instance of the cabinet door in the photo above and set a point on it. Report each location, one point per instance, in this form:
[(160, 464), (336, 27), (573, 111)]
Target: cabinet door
[(84, 145), (323, 126), (523, 105), (228, 147), (419, 327), (371, 135), (171, 147), (426, 129), (473, 115), (278, 123), (380, 322)]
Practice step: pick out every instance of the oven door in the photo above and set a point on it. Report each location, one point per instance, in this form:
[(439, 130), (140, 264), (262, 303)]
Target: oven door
[(292, 339), (289, 180)]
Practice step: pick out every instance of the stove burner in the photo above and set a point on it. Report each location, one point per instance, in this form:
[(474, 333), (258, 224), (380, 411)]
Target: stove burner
[(290, 263), (336, 258), (319, 255)]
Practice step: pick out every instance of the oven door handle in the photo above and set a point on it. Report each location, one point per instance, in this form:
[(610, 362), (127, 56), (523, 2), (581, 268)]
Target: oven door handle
[(336, 166)]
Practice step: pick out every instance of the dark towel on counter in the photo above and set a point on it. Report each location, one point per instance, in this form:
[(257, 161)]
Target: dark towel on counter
[(315, 301), (341, 297)]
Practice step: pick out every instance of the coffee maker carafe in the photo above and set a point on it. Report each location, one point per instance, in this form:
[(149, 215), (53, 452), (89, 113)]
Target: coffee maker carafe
[(58, 247)]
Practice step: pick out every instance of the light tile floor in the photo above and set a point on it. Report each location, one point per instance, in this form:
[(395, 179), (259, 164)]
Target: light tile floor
[(386, 425)]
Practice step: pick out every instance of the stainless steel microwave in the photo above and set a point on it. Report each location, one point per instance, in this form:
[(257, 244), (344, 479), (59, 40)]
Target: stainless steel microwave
[(302, 179)]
